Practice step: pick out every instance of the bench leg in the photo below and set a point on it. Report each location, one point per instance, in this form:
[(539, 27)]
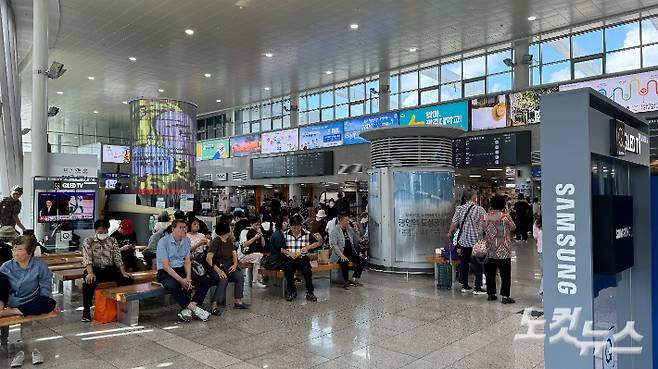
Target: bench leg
[(128, 312), (4, 338), (58, 286), (11, 336), (67, 288)]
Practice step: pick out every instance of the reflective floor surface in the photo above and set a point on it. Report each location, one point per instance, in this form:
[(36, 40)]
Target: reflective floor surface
[(391, 322)]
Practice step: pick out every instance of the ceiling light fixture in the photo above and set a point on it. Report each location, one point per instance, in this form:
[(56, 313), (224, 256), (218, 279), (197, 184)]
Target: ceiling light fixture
[(132, 58), (91, 78), (189, 32), (413, 49), (354, 26), (124, 102), (266, 88), (95, 111), (495, 169), (160, 89), (268, 55), (207, 75), (532, 18), (328, 72), (474, 176), (219, 100), (60, 92)]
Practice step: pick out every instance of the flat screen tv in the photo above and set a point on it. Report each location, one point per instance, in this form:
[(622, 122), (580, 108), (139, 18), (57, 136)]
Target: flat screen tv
[(66, 206)]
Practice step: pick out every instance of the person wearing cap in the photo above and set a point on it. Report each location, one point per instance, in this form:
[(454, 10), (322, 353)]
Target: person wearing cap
[(318, 226), (10, 208)]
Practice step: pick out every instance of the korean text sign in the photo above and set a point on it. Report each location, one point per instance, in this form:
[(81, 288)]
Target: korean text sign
[(450, 115)]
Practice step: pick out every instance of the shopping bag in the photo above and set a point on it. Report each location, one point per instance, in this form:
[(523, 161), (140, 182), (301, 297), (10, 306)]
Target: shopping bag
[(323, 256), (105, 310)]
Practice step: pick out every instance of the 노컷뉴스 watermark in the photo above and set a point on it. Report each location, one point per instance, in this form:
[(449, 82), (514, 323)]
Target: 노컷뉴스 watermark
[(565, 321)]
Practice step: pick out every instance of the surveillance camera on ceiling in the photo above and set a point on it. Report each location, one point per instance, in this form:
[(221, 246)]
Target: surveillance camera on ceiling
[(527, 59), (509, 62), (373, 91), (52, 111), (25, 131), (56, 70)]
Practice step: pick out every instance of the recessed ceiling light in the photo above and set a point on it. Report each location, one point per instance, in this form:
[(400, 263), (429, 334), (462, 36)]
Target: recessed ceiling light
[(532, 18), (474, 176), (413, 49), (60, 92), (132, 58), (354, 26), (95, 111), (124, 102), (207, 75), (160, 89), (266, 88), (91, 78), (219, 100), (189, 32), (328, 72), (268, 55)]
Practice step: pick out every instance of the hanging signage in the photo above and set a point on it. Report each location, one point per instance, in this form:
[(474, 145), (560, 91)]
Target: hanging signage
[(245, 145), (524, 106), (116, 154), (321, 135), (280, 141), (450, 114), (353, 127), (212, 150), (489, 112), (625, 139)]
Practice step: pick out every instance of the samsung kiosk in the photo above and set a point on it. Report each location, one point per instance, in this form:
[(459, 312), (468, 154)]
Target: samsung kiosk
[(596, 233)]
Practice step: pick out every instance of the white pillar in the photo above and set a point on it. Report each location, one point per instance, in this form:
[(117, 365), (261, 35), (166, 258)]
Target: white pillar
[(230, 124), (39, 81), (294, 110), (521, 73), (384, 92), (295, 190)]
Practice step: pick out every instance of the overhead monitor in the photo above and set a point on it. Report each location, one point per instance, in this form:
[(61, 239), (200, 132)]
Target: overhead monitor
[(511, 148), (489, 112), (321, 135), (212, 149), (353, 127), (118, 154), (66, 206), (280, 141), (450, 114), (245, 145)]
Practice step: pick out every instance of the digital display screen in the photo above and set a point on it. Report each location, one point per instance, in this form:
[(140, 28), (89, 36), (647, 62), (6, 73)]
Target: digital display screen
[(212, 150), (524, 106), (492, 150), (118, 154), (271, 167), (280, 141), (353, 127), (489, 112), (321, 135), (66, 206), (450, 114), (300, 165), (245, 145)]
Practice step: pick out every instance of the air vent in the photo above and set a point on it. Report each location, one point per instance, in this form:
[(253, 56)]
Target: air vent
[(411, 152), (238, 176)]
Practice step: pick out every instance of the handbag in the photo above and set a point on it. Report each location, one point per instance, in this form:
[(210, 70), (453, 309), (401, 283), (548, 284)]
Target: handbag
[(480, 249), (105, 310), (272, 262)]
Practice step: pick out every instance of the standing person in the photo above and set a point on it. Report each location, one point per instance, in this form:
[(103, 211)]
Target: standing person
[(497, 227), (536, 234), (521, 214), (25, 288), (176, 275), (223, 259), (127, 239), (298, 245), (10, 208), (467, 218), (343, 241), (102, 261), (251, 247), (536, 208)]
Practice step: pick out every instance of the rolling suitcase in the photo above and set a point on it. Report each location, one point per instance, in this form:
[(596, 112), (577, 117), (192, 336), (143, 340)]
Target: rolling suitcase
[(444, 276)]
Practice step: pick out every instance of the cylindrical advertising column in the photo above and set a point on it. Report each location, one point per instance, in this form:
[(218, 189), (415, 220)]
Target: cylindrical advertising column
[(163, 149)]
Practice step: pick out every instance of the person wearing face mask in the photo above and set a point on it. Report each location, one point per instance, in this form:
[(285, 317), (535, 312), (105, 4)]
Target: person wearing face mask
[(102, 261)]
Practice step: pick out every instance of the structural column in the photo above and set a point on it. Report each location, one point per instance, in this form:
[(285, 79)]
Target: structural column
[(521, 70), (295, 190), (39, 81), (384, 92), (294, 110)]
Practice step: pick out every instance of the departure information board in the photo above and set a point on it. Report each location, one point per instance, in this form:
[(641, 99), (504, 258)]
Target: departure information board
[(492, 150), (300, 165)]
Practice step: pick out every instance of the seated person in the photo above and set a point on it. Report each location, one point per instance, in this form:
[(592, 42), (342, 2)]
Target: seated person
[(343, 241), (127, 239), (278, 239), (223, 259), (25, 287), (40, 249), (251, 245), (198, 240), (175, 273), (298, 245), (102, 261), (7, 235)]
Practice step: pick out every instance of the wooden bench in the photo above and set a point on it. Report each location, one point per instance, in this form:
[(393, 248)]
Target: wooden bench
[(72, 254), (54, 268), (62, 276), (63, 261), (438, 259), (11, 335), (127, 298), (278, 276)]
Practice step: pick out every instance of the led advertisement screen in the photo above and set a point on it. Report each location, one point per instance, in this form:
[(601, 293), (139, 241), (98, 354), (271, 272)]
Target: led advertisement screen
[(163, 153), (118, 154), (280, 141), (245, 145), (66, 206), (489, 112), (321, 135), (524, 106), (492, 150), (354, 127), (450, 114), (636, 92), (212, 149)]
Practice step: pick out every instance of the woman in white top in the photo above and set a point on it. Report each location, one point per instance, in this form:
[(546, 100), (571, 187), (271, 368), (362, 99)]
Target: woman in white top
[(536, 233), (198, 241)]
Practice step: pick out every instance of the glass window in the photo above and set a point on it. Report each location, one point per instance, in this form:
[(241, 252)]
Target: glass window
[(372, 106), (277, 109), (588, 43), (255, 113), (474, 88), (622, 60), (313, 102), (555, 50), (649, 56), (622, 36), (313, 116), (356, 109), (429, 96), (266, 111), (499, 82), (474, 67), (302, 103), (327, 98), (556, 72), (266, 125), (394, 84), (451, 91), (588, 68), (495, 63), (327, 114), (451, 72), (649, 31), (408, 99), (342, 96), (303, 118), (393, 102), (286, 121), (342, 111), (429, 77), (372, 85), (409, 81), (534, 51), (255, 127), (534, 76), (277, 123), (358, 92)]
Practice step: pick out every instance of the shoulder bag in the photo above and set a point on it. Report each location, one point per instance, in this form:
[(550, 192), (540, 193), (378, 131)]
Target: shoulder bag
[(461, 226)]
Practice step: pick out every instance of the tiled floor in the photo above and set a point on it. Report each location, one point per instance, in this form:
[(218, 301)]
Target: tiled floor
[(392, 322)]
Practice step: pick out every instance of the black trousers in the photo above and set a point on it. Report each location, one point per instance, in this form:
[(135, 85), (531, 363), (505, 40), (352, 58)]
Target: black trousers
[(505, 268), (521, 230), (201, 286), (354, 258), (149, 256), (107, 274), (302, 264), (464, 265), (37, 306)]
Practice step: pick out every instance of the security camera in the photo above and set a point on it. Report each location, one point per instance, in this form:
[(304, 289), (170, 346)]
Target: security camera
[(527, 59), (52, 111), (56, 70), (373, 91), (509, 62), (25, 131)]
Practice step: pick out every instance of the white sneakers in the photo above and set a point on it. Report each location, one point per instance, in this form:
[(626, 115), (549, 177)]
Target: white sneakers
[(260, 285), (37, 357), (185, 315), (201, 314), (18, 360)]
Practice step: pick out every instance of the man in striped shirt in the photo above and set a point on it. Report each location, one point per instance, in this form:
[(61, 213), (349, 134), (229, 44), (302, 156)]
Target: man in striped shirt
[(298, 245)]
